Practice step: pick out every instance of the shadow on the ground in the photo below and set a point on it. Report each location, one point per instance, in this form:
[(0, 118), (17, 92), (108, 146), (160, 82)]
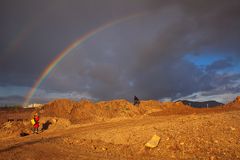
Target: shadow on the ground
[(46, 125), (23, 134), (21, 144)]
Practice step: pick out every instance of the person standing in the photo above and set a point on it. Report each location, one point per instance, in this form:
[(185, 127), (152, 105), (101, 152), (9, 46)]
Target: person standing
[(36, 123), (136, 101)]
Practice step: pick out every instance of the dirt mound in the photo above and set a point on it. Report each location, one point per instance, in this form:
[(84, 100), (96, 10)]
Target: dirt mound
[(237, 100), (84, 111), (235, 103), (9, 129), (58, 108), (172, 108), (52, 123), (87, 111), (177, 107), (150, 103), (117, 108)]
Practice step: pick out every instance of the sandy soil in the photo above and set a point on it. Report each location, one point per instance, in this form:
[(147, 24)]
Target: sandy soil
[(206, 135)]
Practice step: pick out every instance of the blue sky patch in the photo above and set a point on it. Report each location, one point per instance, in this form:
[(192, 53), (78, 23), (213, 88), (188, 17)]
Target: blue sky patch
[(203, 60)]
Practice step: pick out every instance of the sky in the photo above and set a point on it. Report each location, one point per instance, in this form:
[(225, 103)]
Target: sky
[(164, 50)]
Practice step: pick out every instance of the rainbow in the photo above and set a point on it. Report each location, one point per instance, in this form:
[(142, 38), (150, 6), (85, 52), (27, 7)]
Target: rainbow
[(68, 50)]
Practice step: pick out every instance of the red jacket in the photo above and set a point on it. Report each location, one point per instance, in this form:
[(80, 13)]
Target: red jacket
[(36, 119)]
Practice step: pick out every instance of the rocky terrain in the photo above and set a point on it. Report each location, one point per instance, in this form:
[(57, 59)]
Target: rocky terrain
[(119, 130)]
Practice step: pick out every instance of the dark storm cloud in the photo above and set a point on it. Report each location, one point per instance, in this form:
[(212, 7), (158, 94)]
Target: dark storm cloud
[(143, 56), (11, 100), (48, 27), (154, 71), (221, 64)]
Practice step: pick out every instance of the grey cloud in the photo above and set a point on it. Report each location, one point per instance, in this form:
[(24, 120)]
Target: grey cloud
[(155, 69), (219, 65), (142, 56), (50, 26), (11, 100)]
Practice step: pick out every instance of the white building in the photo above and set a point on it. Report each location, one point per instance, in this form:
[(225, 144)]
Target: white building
[(34, 105)]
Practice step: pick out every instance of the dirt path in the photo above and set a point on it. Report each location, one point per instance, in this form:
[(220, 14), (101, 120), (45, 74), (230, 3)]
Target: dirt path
[(202, 136)]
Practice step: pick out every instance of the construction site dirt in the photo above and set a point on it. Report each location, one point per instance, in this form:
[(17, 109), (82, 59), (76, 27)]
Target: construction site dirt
[(119, 130)]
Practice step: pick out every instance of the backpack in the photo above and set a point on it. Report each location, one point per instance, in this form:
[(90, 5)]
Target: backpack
[(32, 121)]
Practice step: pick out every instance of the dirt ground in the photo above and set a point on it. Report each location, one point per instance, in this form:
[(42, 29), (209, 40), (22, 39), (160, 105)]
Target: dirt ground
[(204, 135)]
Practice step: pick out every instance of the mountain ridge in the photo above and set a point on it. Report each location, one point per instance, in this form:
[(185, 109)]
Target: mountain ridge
[(203, 104)]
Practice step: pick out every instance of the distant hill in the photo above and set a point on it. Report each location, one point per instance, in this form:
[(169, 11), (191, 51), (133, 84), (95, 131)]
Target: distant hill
[(204, 104)]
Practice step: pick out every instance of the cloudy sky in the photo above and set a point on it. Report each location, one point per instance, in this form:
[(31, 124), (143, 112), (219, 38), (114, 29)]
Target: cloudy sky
[(154, 49)]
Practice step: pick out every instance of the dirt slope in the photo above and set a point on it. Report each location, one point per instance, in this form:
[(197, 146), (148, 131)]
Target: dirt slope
[(118, 130), (201, 136)]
